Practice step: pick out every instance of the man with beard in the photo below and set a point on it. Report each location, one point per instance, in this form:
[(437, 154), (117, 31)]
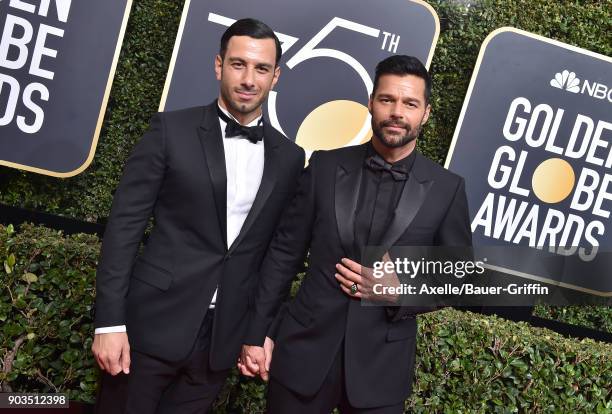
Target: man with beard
[(329, 350), (215, 179)]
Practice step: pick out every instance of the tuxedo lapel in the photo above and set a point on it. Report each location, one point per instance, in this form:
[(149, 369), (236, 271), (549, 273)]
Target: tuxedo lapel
[(412, 198), (348, 181), (268, 181), (211, 140)]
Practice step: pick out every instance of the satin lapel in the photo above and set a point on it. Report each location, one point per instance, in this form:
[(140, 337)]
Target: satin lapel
[(348, 181), (268, 181), (211, 140), (413, 195)]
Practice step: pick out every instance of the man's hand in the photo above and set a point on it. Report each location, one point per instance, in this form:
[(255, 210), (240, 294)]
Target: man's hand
[(351, 273), (256, 360), (268, 349), (112, 352)]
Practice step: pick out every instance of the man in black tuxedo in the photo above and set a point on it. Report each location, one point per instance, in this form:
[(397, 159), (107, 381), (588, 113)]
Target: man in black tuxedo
[(215, 179), (330, 351)]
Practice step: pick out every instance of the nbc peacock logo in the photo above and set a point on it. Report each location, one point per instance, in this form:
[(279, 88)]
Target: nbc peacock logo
[(566, 80)]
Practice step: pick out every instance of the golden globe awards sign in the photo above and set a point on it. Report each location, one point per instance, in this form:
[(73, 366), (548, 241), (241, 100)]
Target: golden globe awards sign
[(534, 145), (57, 60), (330, 50)]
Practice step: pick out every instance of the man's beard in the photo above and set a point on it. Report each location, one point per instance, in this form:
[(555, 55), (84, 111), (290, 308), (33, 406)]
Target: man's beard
[(242, 108), (391, 141)]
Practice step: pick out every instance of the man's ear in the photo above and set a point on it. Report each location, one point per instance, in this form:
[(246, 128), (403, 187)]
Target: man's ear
[(426, 114), (277, 71), (218, 66), (370, 104)]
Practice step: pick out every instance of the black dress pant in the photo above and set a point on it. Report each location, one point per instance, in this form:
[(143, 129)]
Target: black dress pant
[(332, 394), (155, 386)]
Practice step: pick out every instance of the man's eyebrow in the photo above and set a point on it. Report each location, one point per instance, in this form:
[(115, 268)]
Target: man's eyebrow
[(264, 65)]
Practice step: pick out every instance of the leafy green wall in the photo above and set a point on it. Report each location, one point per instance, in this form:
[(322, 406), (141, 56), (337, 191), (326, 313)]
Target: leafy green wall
[(464, 362)]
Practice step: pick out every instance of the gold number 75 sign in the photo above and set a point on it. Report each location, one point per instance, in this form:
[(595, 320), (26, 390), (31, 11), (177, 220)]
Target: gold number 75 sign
[(310, 51)]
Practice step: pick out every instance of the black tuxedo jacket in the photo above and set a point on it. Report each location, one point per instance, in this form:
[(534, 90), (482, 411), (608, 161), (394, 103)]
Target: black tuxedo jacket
[(177, 174), (379, 345)]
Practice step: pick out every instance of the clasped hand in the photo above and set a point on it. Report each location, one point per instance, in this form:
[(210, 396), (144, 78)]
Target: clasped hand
[(255, 360)]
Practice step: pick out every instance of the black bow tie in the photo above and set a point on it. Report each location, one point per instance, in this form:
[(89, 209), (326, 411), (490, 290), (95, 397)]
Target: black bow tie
[(376, 163), (234, 129)]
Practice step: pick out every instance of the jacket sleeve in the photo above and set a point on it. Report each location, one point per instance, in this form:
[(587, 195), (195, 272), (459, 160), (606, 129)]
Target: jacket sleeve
[(132, 207), (284, 258)]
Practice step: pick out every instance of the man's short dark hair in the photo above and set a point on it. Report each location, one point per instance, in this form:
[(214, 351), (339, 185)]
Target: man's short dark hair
[(403, 65), (251, 28)]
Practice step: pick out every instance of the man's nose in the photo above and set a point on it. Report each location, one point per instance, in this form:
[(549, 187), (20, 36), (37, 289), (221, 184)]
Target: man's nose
[(397, 110), (248, 78)]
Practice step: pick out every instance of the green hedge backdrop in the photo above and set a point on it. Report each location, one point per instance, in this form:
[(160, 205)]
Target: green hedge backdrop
[(466, 363)]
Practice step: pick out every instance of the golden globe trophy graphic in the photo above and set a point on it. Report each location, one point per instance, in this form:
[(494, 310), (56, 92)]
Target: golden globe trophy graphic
[(330, 50), (532, 143)]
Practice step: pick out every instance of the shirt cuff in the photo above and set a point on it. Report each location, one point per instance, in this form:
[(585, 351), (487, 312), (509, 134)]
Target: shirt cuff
[(110, 329)]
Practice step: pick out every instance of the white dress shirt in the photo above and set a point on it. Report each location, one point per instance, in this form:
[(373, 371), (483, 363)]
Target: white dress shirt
[(244, 164)]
